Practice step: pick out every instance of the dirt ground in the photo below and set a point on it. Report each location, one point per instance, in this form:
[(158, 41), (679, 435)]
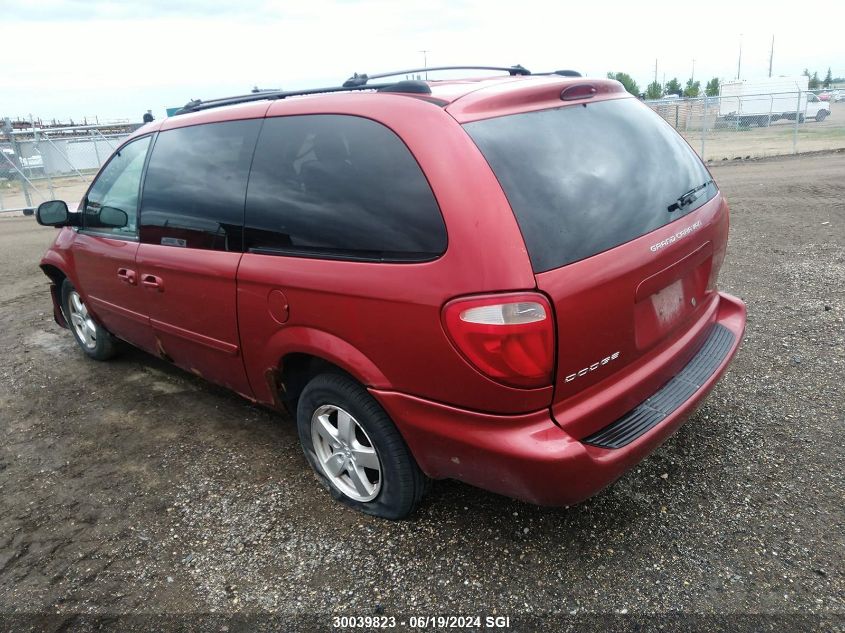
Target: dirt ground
[(133, 487), (67, 188)]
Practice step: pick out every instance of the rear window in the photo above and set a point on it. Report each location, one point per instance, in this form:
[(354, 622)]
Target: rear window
[(582, 179)]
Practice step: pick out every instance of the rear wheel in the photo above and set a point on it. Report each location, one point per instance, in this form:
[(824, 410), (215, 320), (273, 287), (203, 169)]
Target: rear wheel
[(91, 337), (356, 450)]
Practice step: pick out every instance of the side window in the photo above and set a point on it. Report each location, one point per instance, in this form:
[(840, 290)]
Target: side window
[(118, 186), (196, 184), (342, 187)]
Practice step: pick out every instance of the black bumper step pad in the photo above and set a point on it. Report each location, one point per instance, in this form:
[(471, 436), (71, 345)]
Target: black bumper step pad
[(672, 395)]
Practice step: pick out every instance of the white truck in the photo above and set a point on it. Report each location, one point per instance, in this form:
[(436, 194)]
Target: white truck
[(764, 101)]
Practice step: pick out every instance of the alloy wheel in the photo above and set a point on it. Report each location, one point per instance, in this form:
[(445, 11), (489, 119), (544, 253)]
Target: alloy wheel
[(346, 454), (82, 322)]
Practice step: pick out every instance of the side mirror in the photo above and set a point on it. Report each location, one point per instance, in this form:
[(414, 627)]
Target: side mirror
[(113, 218), (53, 213)]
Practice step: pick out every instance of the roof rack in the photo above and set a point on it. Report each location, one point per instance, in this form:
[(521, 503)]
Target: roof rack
[(357, 80), (196, 105)]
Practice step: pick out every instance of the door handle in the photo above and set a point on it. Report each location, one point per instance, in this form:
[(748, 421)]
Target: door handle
[(126, 275), (151, 281)]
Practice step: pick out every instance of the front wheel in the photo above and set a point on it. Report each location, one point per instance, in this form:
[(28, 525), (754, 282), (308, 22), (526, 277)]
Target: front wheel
[(356, 450), (91, 337), (821, 116)]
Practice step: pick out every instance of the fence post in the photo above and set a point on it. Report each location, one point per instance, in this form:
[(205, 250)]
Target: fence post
[(16, 164), (24, 180), (703, 127), (797, 117), (43, 166), (96, 150), (738, 108)]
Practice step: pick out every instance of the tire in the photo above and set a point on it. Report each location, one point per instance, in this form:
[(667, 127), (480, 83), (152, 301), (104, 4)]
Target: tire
[(392, 485), (821, 115), (800, 118), (92, 338)]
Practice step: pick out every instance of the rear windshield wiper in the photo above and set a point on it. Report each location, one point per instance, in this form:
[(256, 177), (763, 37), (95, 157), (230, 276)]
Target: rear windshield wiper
[(688, 198)]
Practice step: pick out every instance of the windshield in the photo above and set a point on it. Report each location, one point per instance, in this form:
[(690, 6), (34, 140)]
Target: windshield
[(584, 178)]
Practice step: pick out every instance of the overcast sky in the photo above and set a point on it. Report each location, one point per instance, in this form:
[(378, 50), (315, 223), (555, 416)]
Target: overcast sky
[(75, 58)]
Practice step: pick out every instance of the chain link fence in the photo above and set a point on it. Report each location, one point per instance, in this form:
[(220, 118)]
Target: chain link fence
[(754, 126), (38, 164)]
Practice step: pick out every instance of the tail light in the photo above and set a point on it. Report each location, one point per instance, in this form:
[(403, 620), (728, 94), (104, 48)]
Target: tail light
[(579, 91), (509, 338)]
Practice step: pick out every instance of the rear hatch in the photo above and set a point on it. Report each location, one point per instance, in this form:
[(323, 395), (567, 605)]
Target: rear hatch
[(626, 232)]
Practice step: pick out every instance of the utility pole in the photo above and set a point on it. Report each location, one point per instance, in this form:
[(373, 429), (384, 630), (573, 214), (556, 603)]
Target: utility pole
[(692, 75), (655, 70), (771, 55), (425, 53), (739, 61)]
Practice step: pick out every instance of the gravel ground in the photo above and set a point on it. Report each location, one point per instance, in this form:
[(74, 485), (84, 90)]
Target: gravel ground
[(133, 487)]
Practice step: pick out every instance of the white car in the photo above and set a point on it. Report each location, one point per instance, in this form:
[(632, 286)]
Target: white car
[(35, 161), (816, 108)]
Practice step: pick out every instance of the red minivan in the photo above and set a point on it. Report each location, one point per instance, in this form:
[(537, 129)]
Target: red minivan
[(507, 280)]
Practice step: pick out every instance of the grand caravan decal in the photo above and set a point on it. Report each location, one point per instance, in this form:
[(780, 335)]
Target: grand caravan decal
[(674, 238)]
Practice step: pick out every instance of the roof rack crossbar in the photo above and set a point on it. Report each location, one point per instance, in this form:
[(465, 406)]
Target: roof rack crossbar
[(197, 105), (357, 80)]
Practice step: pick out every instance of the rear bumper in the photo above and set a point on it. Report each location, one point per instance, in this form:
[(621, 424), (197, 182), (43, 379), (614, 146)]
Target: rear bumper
[(529, 456)]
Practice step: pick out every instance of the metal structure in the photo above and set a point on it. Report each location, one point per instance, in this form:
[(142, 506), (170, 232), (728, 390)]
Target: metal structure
[(44, 163)]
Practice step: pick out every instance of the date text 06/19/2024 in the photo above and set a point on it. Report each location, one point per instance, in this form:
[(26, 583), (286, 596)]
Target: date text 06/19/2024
[(423, 622)]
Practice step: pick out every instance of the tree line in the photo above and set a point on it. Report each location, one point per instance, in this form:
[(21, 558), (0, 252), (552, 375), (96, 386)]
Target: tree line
[(815, 83), (656, 90)]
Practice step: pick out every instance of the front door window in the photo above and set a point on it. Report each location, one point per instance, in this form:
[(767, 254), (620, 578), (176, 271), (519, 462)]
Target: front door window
[(118, 186)]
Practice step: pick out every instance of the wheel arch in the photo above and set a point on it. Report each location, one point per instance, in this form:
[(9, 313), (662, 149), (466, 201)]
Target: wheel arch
[(57, 277), (303, 353), (297, 369), (56, 274), (57, 264)]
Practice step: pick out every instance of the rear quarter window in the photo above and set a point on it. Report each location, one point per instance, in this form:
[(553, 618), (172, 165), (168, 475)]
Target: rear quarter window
[(340, 187), (582, 179)]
